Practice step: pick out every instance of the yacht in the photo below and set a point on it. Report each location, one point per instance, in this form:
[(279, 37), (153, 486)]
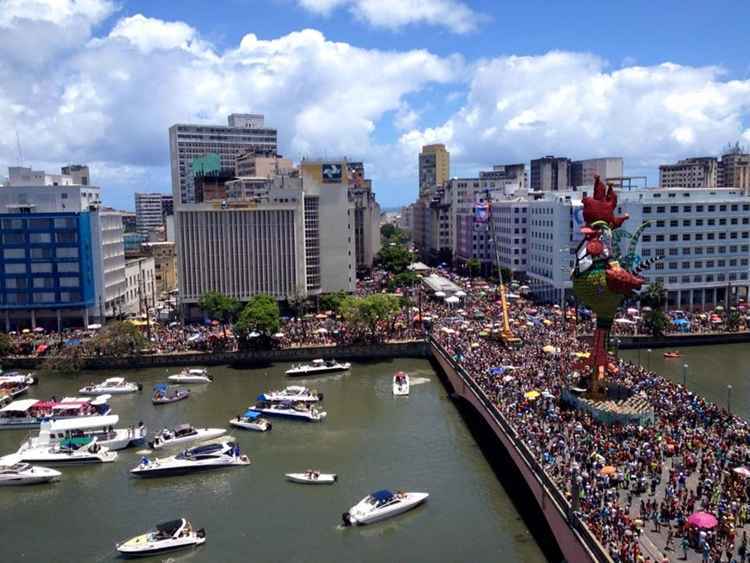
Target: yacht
[(14, 472), (251, 420), (184, 434), (400, 384), (29, 413), (312, 477), (164, 394), (381, 505), (296, 393), (102, 428), (169, 536), (71, 451), (287, 409), (316, 367), (113, 386), (193, 375), (17, 377), (199, 458)]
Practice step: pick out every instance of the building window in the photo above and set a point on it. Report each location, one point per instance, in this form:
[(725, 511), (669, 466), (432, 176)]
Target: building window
[(40, 238), (69, 252), (14, 253)]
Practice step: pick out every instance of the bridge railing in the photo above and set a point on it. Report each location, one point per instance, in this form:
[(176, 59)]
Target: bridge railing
[(592, 544)]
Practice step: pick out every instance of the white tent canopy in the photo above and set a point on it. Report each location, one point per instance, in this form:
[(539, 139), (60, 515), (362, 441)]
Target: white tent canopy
[(452, 300)]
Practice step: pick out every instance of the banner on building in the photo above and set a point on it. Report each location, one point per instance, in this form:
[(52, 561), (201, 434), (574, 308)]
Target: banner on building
[(481, 212), (331, 173)]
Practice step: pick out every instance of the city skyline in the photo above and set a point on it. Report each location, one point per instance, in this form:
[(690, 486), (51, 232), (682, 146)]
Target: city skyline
[(370, 82)]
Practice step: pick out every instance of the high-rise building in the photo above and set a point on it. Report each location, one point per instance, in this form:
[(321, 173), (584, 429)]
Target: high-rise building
[(62, 261), (204, 150), (583, 172), (434, 167), (167, 204), (550, 174), (165, 264), (507, 178), (252, 164), (700, 172), (734, 169), (140, 280), (366, 217), (79, 173), (149, 211)]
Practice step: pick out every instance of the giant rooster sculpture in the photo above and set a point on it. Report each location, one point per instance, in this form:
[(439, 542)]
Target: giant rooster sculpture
[(600, 280)]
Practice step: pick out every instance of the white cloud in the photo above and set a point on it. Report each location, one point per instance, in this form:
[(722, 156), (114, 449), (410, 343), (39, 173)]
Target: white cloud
[(454, 15), (59, 12), (570, 104), (148, 34)]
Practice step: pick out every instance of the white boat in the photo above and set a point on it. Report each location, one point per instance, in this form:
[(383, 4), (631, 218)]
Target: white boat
[(287, 409), (112, 385), (169, 536), (9, 391), (184, 434), (311, 477), (16, 377), (193, 375), (102, 428), (251, 420), (199, 458), (400, 384), (72, 451), (29, 413), (316, 367), (15, 472), (381, 505), (164, 394), (296, 393)]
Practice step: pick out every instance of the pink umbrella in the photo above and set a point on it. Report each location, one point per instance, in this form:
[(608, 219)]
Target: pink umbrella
[(703, 520)]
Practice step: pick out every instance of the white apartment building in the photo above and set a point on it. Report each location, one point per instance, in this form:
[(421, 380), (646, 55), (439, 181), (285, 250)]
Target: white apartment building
[(140, 284), (149, 212), (213, 149), (109, 251)]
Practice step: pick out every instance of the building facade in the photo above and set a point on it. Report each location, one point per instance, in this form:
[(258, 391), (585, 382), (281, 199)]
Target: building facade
[(734, 169), (701, 172), (149, 212), (165, 265), (434, 167), (550, 174), (583, 172), (140, 290)]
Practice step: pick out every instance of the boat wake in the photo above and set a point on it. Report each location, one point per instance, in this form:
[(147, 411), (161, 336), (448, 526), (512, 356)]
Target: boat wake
[(419, 380), (144, 452)]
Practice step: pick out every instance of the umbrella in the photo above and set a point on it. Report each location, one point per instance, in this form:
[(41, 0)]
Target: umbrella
[(583, 354), (439, 294), (460, 293), (322, 331), (632, 311), (279, 335), (497, 370), (624, 321), (452, 300), (484, 333), (508, 378), (743, 471), (25, 331), (531, 395), (549, 349), (97, 326), (718, 308), (608, 470), (703, 520), (321, 316), (38, 329), (475, 344), (547, 321)]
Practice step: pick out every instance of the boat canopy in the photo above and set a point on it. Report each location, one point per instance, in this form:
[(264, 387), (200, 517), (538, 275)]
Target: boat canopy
[(20, 406), (161, 387), (197, 371), (381, 497), (261, 397), (252, 415), (180, 428), (115, 380), (85, 423), (171, 528)]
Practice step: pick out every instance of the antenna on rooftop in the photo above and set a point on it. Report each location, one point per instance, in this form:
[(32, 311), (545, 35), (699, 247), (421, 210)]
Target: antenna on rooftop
[(18, 148)]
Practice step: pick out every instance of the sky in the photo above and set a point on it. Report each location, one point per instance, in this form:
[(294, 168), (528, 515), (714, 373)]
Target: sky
[(101, 81)]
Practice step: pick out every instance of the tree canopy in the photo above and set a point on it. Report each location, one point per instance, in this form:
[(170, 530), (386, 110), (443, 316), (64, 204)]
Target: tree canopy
[(118, 339), (473, 265), (369, 310), (394, 258), (391, 233), (260, 314), (6, 344), (654, 296), (332, 301), (218, 306), (404, 279)]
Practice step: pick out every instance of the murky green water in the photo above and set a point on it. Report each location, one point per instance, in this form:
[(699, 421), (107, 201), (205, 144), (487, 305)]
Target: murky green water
[(370, 439)]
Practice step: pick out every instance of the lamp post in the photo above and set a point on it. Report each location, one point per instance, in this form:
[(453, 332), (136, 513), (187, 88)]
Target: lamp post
[(684, 375), (729, 399), (649, 359)]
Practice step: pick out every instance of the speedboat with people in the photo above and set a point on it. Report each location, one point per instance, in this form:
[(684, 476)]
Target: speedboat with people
[(316, 367), (184, 434), (251, 420), (70, 451), (672, 355), (199, 458), (400, 384), (164, 394), (9, 391), (192, 375), (29, 413), (312, 477), (18, 377), (381, 505), (169, 536), (287, 409), (296, 393), (111, 385), (13, 471), (102, 428)]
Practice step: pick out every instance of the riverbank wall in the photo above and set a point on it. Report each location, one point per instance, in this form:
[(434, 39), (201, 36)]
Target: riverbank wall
[(574, 539), (681, 340)]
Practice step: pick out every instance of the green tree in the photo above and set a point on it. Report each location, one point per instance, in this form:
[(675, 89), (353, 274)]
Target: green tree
[(368, 311), (117, 339), (404, 279), (654, 296), (394, 258), (388, 231), (733, 320), (260, 314), (332, 301), (219, 307), (473, 265), (656, 321), (70, 360), (6, 345)]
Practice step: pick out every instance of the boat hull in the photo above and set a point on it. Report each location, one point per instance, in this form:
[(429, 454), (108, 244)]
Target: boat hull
[(323, 479), (40, 475), (58, 461), (32, 423), (174, 471), (135, 552), (188, 379), (202, 435), (412, 501), (291, 415), (315, 371), (251, 425)]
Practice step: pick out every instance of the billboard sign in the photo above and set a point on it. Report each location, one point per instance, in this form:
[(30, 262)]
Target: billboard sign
[(481, 212), (331, 173), (206, 165)]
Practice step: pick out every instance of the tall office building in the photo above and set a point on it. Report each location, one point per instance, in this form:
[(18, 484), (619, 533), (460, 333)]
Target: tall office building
[(701, 172), (550, 174), (204, 150), (434, 167), (583, 172), (734, 169), (149, 212)]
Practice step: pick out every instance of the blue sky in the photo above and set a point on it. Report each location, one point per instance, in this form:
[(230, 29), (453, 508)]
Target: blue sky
[(99, 81)]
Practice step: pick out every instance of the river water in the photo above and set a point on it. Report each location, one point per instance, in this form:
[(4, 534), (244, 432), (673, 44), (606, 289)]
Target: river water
[(370, 439)]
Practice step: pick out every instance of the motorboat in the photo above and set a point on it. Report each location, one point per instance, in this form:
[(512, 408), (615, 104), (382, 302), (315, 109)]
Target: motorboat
[(287, 409), (193, 375), (400, 384), (13, 471), (251, 420), (164, 394), (312, 477), (102, 428), (71, 451), (317, 366), (296, 393), (199, 458), (9, 391), (18, 377), (169, 536), (184, 434), (674, 354), (112, 385), (381, 505), (29, 413)]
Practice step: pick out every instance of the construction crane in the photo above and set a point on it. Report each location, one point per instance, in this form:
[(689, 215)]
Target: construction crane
[(507, 336)]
